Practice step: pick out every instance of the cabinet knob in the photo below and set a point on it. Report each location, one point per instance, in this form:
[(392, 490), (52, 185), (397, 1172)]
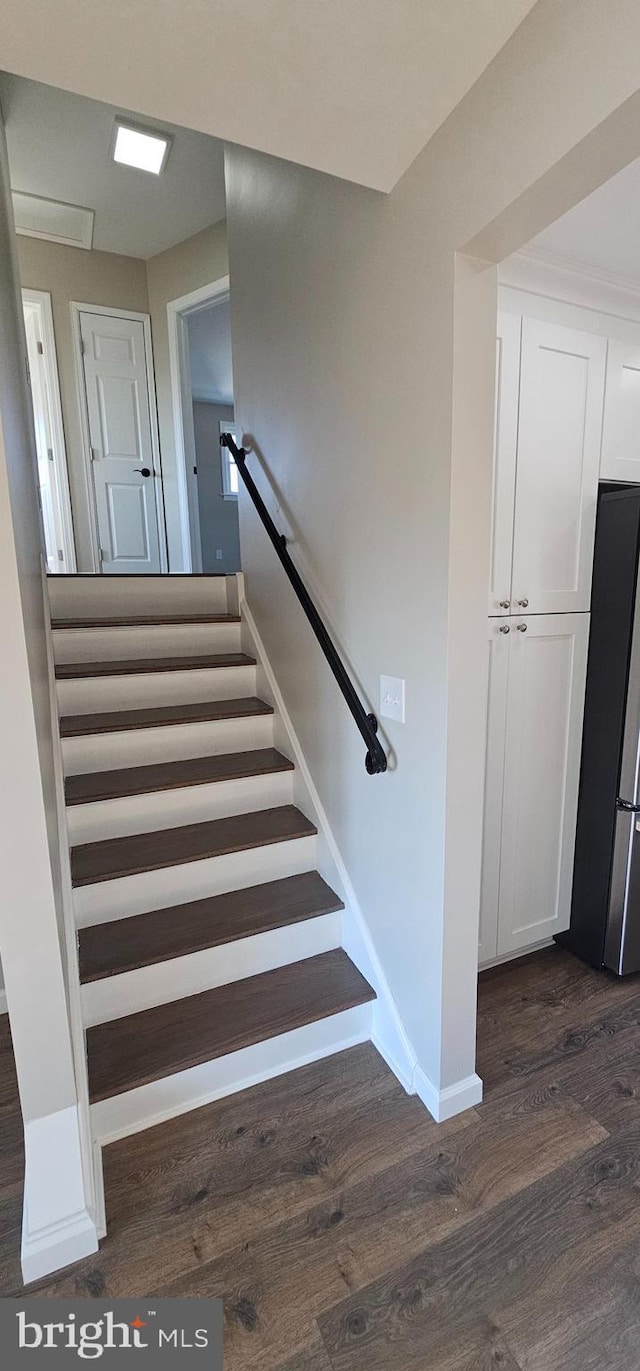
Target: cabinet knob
[(523, 604), (505, 604), (504, 628), (522, 628)]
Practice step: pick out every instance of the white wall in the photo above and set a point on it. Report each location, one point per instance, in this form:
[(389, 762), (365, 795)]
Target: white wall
[(219, 527), (31, 916), (363, 368)]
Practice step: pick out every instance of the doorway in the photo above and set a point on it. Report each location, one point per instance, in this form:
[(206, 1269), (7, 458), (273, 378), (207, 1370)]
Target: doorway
[(53, 480), (122, 456), (202, 398)]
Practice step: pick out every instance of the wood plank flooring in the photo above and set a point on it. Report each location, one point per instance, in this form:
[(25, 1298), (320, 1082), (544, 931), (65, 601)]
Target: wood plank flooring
[(346, 1230)]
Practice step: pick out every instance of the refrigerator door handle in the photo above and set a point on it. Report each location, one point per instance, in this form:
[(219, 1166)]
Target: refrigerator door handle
[(628, 806)]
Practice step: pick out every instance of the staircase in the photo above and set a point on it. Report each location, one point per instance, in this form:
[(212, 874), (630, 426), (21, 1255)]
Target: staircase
[(209, 942)]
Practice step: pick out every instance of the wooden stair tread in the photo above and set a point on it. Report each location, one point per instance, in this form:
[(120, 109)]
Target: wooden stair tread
[(155, 1043), (146, 939), (123, 720), (91, 786), (145, 620), (71, 671), (112, 858)]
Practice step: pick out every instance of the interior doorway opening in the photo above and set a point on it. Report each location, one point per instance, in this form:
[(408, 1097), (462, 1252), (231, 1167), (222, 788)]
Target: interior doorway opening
[(566, 466), (202, 396)]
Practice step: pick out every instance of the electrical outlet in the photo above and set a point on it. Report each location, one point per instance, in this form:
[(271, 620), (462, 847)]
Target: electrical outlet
[(392, 698), (218, 554)]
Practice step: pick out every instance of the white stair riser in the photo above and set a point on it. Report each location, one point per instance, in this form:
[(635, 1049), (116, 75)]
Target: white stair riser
[(143, 746), (129, 895), (157, 640), (78, 597), (94, 694), (147, 1105), (90, 823), (115, 996)]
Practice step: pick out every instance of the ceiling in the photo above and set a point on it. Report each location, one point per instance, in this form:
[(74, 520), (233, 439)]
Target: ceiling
[(210, 354), (603, 231), (351, 87), (59, 147)]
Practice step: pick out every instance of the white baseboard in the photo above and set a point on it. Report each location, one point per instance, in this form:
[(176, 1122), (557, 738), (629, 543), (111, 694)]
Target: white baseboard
[(4, 1008), (388, 1034), (57, 1228), (57, 1246), (452, 1100)]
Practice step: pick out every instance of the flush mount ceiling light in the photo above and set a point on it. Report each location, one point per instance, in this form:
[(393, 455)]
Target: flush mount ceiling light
[(141, 148)]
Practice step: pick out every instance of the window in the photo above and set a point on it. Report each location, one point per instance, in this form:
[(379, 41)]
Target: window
[(229, 468)]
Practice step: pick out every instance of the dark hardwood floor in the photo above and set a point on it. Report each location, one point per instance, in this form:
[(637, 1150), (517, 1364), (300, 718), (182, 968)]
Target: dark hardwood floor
[(346, 1230)]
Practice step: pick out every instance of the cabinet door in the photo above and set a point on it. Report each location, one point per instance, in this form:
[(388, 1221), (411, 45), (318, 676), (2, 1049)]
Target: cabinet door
[(621, 425), (504, 461), (547, 671), (559, 432), (498, 647)]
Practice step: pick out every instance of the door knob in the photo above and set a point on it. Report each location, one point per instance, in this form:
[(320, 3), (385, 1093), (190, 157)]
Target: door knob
[(523, 604), (522, 628), (144, 471), (504, 628), (505, 604)]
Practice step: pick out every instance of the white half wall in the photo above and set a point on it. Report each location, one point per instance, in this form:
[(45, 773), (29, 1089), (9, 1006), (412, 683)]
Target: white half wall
[(31, 915)]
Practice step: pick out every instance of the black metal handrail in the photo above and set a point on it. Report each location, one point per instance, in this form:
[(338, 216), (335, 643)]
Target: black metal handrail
[(376, 760)]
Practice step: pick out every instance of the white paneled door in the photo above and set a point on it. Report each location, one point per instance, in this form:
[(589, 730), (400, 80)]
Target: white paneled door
[(559, 433), (545, 703), (126, 483)]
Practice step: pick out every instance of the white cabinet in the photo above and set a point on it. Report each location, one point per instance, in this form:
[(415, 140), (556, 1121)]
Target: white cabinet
[(504, 461), (621, 425), (536, 699), (548, 429)]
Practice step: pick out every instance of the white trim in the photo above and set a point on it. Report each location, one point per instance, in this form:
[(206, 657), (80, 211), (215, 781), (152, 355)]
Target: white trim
[(78, 1045), (451, 1100), (41, 301), (57, 1227), (516, 955), (78, 308), (147, 1105), (387, 1034), (575, 283), (181, 405)]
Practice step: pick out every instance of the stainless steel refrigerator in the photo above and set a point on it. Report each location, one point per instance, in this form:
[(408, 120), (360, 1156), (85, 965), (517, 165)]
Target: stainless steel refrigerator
[(605, 906)]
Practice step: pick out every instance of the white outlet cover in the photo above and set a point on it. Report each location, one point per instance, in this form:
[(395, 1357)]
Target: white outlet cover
[(392, 698)]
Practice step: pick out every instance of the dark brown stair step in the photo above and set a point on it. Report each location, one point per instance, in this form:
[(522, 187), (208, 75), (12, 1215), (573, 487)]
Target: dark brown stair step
[(146, 939), (114, 857), (92, 786), (72, 671), (157, 1042), (123, 720), (146, 620)]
